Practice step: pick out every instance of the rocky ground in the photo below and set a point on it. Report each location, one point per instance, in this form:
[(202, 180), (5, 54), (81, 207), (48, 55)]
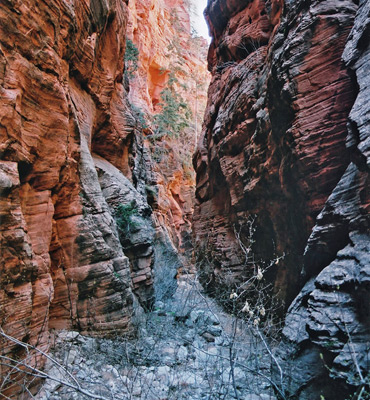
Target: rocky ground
[(187, 348)]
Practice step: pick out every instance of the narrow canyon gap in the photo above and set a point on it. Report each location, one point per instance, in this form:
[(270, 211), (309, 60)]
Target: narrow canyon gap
[(104, 112)]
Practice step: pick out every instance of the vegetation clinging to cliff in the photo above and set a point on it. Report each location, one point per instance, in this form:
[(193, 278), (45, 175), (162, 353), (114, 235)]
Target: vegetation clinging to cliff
[(131, 58), (175, 114), (124, 214)]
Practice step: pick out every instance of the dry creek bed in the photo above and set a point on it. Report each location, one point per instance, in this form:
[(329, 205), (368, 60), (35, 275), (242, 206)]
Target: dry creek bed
[(187, 348)]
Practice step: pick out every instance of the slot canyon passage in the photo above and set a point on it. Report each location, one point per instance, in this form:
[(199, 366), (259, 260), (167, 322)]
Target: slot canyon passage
[(181, 220)]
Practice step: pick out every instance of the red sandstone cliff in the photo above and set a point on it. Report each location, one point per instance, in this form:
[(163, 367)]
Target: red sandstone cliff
[(275, 130), (166, 50), (276, 144), (61, 92), (78, 238)]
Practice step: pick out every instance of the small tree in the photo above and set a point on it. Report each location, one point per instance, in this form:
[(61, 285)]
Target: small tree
[(124, 215), (175, 113), (131, 58)]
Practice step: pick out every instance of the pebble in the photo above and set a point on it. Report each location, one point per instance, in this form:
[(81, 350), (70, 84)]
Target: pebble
[(182, 354), (214, 330), (209, 337)]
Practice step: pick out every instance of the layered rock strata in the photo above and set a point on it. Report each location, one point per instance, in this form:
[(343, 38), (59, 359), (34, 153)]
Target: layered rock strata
[(161, 32), (273, 143), (136, 232), (61, 84), (79, 242), (71, 156), (327, 327), (285, 142)]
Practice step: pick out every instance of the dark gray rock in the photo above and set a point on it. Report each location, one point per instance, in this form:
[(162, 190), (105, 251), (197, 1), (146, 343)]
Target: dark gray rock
[(325, 348), (137, 236), (214, 330), (357, 56), (208, 337), (326, 334)]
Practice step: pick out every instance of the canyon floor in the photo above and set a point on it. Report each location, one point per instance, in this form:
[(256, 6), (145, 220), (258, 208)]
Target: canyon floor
[(187, 348)]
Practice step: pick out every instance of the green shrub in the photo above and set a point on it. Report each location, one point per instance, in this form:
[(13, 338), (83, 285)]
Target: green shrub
[(124, 214), (175, 113), (140, 117), (131, 58), (151, 191)]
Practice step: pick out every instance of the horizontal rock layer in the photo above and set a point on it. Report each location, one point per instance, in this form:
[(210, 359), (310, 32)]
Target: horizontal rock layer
[(274, 134), (331, 317), (78, 240), (61, 86)]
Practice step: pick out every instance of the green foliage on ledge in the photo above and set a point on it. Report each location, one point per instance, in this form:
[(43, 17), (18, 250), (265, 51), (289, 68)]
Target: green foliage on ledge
[(175, 115), (124, 214)]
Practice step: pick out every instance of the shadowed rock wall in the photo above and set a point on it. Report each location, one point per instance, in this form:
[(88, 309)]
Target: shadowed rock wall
[(327, 330), (285, 139), (274, 136)]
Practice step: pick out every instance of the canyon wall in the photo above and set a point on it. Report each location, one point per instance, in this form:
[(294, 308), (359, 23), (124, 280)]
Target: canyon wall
[(327, 330), (79, 241), (62, 265), (167, 52), (285, 144)]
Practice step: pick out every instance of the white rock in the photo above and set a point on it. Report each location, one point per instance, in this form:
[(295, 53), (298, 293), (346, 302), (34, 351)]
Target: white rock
[(67, 336), (182, 354), (125, 380), (163, 371), (219, 340), (196, 315), (70, 357), (211, 318)]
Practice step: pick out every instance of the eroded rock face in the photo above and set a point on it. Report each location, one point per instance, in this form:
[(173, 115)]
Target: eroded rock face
[(275, 131), (136, 231), (332, 313), (78, 237), (161, 30), (63, 99), (166, 50), (277, 144)]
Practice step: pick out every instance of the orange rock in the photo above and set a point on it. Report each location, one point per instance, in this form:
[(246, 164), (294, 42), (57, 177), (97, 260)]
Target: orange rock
[(61, 72), (64, 103), (161, 30)]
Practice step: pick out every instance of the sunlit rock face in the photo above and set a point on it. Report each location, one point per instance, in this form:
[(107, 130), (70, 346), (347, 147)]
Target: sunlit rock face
[(62, 96), (162, 33), (286, 139), (166, 48), (78, 236)]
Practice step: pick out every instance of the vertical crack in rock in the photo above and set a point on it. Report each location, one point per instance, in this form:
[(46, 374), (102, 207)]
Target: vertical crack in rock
[(74, 159)]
